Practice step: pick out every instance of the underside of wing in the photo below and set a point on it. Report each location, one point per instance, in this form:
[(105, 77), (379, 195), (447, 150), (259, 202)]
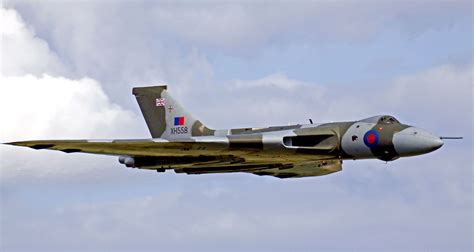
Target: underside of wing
[(280, 170)]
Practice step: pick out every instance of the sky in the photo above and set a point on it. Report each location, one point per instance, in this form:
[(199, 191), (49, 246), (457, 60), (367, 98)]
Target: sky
[(68, 67)]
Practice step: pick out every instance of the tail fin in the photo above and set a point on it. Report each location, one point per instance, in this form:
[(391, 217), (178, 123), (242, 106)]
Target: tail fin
[(165, 117)]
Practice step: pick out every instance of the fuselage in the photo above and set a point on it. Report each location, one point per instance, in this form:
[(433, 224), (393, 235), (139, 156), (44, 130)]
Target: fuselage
[(379, 137)]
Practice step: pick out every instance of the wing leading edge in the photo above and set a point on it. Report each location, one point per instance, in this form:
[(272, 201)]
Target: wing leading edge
[(139, 147)]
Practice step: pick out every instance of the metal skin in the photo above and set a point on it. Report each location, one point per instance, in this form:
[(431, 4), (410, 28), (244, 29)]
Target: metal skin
[(184, 144)]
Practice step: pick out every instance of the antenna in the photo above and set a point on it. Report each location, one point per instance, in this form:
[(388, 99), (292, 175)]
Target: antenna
[(310, 120)]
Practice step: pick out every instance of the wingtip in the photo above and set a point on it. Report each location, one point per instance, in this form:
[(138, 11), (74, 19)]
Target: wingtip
[(13, 143), (32, 144), (18, 143)]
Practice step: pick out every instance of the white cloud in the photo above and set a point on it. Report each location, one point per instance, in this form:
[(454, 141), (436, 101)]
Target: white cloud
[(236, 26), (440, 95), (56, 107), (36, 105), (278, 81), (21, 52), (371, 207), (143, 43)]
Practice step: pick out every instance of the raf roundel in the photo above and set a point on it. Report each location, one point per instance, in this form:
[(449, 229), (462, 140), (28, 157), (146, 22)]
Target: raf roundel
[(371, 138)]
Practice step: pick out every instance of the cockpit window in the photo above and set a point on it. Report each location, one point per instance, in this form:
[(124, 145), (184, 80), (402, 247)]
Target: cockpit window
[(388, 120), (381, 119)]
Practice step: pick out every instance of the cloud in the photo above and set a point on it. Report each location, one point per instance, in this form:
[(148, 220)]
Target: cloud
[(144, 43), (378, 206), (442, 94), (55, 107), (22, 52), (37, 105), (274, 81), (235, 26), (257, 24)]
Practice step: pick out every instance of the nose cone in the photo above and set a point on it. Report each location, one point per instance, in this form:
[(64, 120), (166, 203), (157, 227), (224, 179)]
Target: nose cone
[(414, 141)]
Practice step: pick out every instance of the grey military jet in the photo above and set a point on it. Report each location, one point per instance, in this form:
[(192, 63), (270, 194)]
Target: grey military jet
[(184, 144)]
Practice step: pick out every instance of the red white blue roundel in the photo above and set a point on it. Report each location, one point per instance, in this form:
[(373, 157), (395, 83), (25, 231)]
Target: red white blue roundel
[(371, 138)]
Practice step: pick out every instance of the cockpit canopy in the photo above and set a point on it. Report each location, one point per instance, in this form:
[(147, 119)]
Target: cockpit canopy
[(381, 119)]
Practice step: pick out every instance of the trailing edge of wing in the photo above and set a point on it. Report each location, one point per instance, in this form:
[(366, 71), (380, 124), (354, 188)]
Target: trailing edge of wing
[(303, 169), (279, 170)]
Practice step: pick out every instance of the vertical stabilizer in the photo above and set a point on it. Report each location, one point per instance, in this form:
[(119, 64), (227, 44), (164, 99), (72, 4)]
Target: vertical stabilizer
[(165, 117)]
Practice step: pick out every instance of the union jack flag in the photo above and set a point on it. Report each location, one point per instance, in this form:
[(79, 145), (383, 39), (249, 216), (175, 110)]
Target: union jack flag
[(160, 102)]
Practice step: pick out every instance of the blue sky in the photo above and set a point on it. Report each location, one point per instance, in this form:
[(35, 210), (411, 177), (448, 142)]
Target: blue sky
[(68, 69)]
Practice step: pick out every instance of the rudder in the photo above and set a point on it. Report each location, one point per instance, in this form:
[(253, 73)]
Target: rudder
[(165, 117)]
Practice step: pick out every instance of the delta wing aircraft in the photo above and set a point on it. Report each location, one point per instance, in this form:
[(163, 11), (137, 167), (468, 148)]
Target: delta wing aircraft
[(184, 144)]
